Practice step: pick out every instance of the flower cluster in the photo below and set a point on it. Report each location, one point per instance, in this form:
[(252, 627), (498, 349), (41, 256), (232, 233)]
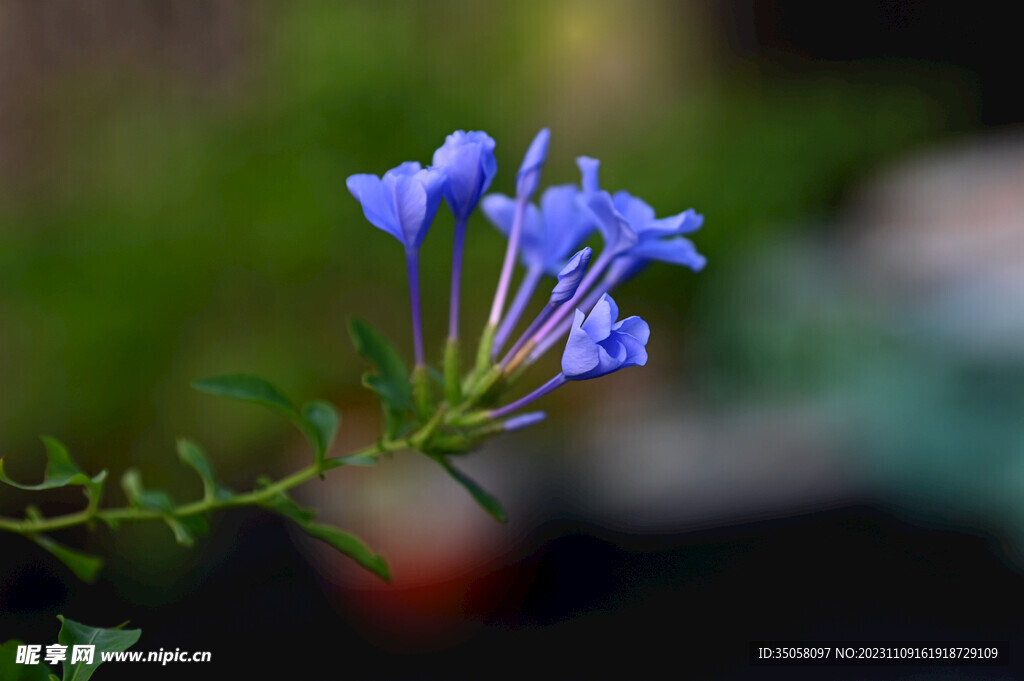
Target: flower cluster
[(547, 238)]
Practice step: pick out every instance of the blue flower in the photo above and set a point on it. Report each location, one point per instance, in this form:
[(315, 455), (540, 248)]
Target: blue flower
[(402, 203), (656, 239), (600, 345), (653, 233), (570, 276), (550, 233), (528, 176), (468, 160), (619, 235)]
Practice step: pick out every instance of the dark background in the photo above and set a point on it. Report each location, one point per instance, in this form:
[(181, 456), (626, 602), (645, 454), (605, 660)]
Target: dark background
[(826, 445)]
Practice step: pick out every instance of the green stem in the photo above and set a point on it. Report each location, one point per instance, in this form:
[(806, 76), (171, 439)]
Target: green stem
[(258, 497), (421, 392), (483, 358), (452, 384)]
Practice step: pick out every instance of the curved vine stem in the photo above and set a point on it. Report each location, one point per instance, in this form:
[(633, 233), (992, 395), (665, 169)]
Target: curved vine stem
[(32, 526)]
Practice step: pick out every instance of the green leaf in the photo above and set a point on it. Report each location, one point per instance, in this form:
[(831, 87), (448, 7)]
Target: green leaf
[(348, 544), (186, 527), (60, 470), (391, 382), (391, 394), (11, 670), (138, 495), (192, 455), (248, 389), (183, 527), (392, 373), (481, 496), (351, 546), (85, 566), (324, 419), (258, 391), (106, 641)]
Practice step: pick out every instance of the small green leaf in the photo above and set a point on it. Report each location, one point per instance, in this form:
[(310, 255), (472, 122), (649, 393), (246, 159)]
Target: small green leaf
[(372, 345), (284, 505), (247, 389), (391, 382), (481, 496), (348, 544), (183, 527), (258, 391), (186, 527), (11, 670), (85, 566), (390, 393), (60, 470), (324, 419), (192, 455), (106, 641), (351, 546), (138, 495)]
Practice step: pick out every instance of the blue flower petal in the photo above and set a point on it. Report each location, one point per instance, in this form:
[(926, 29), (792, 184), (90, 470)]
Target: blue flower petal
[(599, 322), (407, 168), (588, 169), (378, 207), (433, 181), (686, 222), (635, 327), (611, 355), (500, 210), (599, 345), (678, 251), (635, 352), (570, 276), (566, 224), (636, 211), (528, 176), (581, 352), (468, 160), (411, 200), (619, 236)]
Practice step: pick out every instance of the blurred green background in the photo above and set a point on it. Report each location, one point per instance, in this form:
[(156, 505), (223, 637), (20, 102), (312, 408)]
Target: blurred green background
[(173, 206), (177, 207)]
